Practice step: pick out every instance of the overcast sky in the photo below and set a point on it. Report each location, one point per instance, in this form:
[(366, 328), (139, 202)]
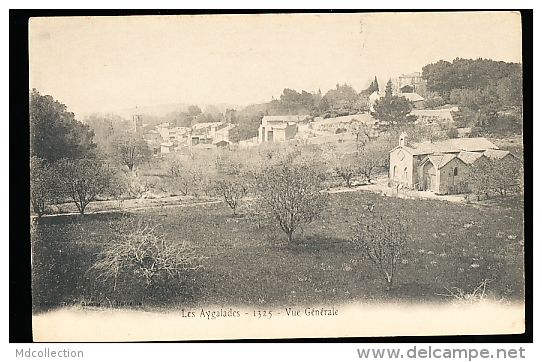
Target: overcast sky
[(108, 63)]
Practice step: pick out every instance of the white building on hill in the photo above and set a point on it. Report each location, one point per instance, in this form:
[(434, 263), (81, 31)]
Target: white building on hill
[(279, 128)]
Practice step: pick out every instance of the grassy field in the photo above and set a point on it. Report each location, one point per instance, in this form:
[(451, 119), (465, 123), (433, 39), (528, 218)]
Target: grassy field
[(452, 246)]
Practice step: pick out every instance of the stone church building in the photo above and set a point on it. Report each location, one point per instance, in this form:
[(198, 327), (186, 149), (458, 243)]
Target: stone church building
[(440, 167)]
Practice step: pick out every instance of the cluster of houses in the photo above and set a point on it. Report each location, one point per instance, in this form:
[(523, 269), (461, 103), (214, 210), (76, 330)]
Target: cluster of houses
[(439, 167), (168, 138)]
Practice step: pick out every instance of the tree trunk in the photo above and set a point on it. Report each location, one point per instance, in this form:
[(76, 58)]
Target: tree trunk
[(389, 283), (82, 208), (290, 236)]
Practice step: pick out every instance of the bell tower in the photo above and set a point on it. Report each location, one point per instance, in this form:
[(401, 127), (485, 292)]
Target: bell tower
[(403, 139), (137, 121)]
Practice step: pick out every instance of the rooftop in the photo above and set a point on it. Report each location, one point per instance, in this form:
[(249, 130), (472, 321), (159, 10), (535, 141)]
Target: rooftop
[(441, 160), (413, 97), (205, 125), (376, 95), (225, 129), (284, 118), (495, 154), (469, 157), (454, 145), (410, 75), (442, 113), (204, 146)]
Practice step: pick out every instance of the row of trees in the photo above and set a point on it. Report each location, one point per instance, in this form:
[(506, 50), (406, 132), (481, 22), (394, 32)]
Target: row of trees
[(371, 152), (78, 162), (341, 101), (80, 180)]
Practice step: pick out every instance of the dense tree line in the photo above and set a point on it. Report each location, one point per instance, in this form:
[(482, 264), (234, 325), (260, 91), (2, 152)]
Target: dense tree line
[(504, 79), (489, 93)]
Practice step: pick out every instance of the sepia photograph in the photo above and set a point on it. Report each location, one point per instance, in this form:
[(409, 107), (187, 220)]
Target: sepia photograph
[(272, 176)]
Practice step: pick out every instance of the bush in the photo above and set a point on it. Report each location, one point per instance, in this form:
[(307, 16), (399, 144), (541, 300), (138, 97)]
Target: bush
[(452, 133), (137, 253)]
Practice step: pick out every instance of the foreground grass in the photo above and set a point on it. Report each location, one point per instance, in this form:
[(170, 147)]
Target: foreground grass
[(452, 246)]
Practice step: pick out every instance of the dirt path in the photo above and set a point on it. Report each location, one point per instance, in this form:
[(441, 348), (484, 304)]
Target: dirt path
[(102, 207), (138, 204), (381, 187)]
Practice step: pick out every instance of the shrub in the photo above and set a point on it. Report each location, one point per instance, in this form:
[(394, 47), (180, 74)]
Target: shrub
[(453, 133), (383, 241), (477, 295), (138, 253)]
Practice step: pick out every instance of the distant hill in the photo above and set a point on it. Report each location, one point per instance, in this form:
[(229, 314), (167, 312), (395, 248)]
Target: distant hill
[(165, 109), (154, 115)]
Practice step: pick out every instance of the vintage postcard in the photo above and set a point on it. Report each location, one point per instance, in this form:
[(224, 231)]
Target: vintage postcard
[(211, 177)]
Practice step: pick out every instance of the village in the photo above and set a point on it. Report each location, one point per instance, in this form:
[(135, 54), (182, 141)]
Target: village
[(441, 166), (397, 185)]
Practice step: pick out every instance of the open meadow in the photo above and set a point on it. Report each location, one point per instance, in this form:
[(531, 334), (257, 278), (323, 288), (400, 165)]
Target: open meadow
[(452, 250)]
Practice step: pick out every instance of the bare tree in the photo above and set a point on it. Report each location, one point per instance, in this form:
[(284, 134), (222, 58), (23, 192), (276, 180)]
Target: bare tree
[(42, 185), (175, 166), (383, 240), (372, 155), (138, 186), (131, 150), (232, 192), (83, 180), (292, 192), (346, 169)]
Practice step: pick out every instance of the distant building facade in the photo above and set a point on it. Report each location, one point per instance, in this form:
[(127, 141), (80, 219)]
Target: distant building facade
[(411, 79), (279, 128)]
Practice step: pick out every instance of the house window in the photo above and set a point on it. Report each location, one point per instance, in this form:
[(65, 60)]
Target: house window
[(405, 174), (394, 171), (455, 171)]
